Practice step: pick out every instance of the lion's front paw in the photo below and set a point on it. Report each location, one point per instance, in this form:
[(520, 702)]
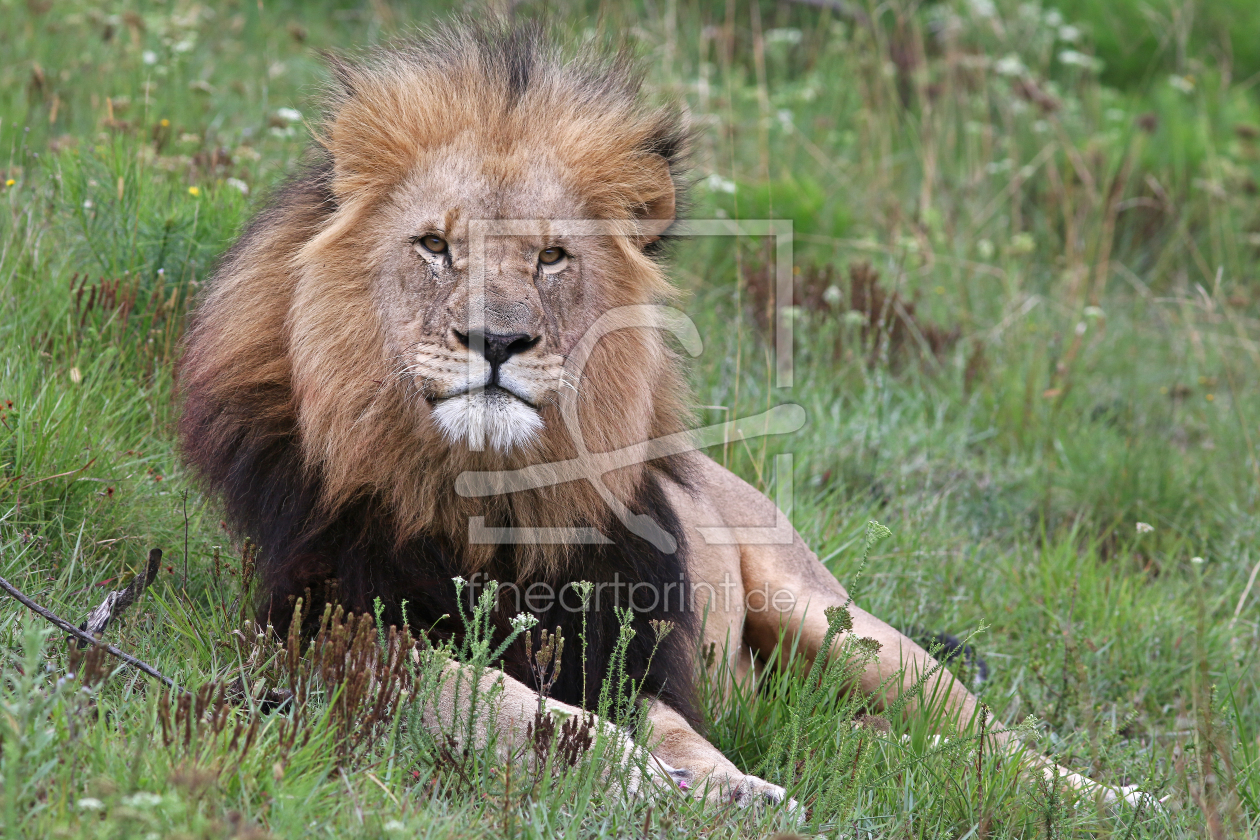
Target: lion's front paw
[(747, 791)]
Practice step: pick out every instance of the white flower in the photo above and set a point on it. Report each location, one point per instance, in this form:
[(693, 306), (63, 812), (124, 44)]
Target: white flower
[(1054, 18), (143, 799), (289, 115), (149, 57), (1074, 58), (983, 8), (238, 184), (1185, 84), (90, 803), (832, 295), (783, 36), (394, 825), (1010, 65), (1144, 528), (717, 183), (523, 621), (1198, 561), (184, 45), (1069, 34)]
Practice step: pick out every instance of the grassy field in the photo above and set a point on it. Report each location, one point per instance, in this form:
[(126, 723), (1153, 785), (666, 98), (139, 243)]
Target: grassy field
[(1028, 319)]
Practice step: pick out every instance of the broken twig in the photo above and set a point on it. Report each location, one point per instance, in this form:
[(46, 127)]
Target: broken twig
[(117, 602), (60, 622)]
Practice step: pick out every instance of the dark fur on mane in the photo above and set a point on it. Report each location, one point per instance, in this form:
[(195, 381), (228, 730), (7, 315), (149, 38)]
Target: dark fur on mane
[(354, 559)]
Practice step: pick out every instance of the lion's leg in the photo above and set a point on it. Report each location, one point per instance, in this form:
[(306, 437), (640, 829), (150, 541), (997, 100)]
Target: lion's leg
[(448, 713), (797, 590)]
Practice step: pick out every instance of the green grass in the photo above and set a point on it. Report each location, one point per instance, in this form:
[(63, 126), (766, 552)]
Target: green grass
[(1091, 250)]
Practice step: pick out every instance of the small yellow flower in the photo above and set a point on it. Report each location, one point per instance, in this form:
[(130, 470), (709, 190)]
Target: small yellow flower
[(165, 123), (1211, 397), (194, 191), (10, 182)]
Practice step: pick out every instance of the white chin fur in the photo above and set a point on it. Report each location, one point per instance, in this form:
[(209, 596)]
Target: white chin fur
[(487, 421)]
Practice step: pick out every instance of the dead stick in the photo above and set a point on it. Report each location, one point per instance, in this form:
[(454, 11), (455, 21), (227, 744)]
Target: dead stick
[(53, 618)]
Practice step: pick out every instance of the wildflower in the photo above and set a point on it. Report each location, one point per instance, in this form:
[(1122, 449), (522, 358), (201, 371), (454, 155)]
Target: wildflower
[(717, 183), (10, 182), (1198, 561), (394, 826), (983, 8), (1185, 84), (832, 296), (238, 185), (783, 36), (1074, 58), (149, 57), (523, 621), (194, 191), (143, 799), (1145, 528), (90, 803), (165, 123), (1069, 34), (289, 115), (1010, 65)]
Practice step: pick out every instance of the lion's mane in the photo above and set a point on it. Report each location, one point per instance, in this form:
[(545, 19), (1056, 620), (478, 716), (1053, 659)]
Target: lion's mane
[(291, 413)]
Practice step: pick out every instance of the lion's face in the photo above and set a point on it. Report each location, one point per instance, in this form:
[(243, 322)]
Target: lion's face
[(484, 290), (485, 362)]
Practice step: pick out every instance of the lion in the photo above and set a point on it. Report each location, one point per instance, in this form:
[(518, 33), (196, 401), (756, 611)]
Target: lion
[(391, 383)]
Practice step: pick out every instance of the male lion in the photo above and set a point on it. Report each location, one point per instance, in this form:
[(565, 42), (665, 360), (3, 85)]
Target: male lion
[(380, 330)]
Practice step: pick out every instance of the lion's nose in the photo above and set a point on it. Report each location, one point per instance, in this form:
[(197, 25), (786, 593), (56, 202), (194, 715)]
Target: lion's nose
[(497, 348)]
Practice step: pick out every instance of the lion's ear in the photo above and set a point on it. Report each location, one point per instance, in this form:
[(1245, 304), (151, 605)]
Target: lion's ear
[(658, 207)]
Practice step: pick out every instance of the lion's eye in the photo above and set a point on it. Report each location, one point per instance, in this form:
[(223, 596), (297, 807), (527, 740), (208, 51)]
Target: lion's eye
[(551, 256), (432, 243)]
